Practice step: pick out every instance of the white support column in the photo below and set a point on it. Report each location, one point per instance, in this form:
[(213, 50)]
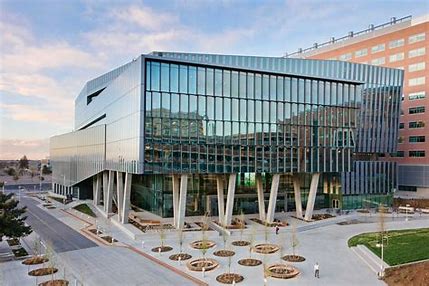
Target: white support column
[(182, 201), (176, 193), (126, 198), (312, 196), (105, 186), (297, 192), (119, 193), (109, 193), (273, 198), (230, 199), (261, 199), (220, 198), (94, 189)]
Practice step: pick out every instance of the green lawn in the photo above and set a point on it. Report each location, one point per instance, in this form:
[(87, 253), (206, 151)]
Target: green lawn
[(401, 246), (83, 208)]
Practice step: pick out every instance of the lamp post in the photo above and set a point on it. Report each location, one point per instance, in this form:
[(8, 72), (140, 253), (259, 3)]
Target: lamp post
[(381, 245), (41, 175)]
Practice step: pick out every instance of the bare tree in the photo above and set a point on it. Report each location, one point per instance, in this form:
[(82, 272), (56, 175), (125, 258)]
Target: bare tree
[(251, 241), (242, 224), (181, 235), (294, 239), (161, 233)]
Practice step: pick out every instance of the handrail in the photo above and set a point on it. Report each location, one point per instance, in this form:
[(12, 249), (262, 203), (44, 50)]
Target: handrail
[(371, 28)]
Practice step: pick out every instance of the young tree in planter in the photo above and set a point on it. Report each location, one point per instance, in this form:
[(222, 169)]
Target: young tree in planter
[(225, 238), (204, 246), (181, 235), (294, 239), (266, 232), (52, 262), (161, 233), (12, 221), (242, 225), (251, 241)]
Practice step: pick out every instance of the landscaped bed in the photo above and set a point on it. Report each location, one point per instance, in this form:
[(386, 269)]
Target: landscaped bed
[(13, 241), (293, 258), (55, 282), (402, 246), (224, 253), (43, 271), (20, 252), (272, 224), (84, 208), (35, 260), (321, 216), (249, 262), (229, 278), (406, 275), (240, 243)]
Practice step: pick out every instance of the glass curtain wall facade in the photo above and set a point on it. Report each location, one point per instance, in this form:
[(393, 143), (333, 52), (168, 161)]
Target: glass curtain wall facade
[(204, 115)]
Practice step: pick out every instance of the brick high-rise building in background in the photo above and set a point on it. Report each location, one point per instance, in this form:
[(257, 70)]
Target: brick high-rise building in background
[(403, 44)]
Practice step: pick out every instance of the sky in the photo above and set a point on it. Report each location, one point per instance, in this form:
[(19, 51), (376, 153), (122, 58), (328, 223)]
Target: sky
[(50, 48)]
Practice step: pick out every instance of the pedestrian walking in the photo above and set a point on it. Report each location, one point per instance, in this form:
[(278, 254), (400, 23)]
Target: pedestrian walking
[(277, 229), (316, 270)]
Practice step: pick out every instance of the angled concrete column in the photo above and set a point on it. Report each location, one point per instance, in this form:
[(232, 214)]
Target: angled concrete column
[(119, 193), (230, 199), (182, 201), (176, 192), (105, 186), (312, 196), (273, 198), (297, 192), (109, 193), (261, 199), (220, 198), (126, 199), (96, 188)]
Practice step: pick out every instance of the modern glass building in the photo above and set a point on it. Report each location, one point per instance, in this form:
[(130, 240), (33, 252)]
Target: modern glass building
[(171, 132)]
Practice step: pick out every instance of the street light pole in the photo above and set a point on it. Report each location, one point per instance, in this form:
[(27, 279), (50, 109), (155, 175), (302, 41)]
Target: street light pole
[(41, 175)]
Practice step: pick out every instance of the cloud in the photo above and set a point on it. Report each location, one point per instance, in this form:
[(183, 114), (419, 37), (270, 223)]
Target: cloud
[(13, 149), (29, 113), (145, 17)]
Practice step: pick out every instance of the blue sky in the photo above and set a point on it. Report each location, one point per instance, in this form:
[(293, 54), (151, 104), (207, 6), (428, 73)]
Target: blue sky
[(50, 48)]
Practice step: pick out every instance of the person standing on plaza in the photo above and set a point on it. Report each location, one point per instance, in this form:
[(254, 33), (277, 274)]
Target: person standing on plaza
[(277, 229), (316, 270)]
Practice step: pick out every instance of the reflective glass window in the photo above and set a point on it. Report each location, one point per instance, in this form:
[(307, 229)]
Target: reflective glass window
[(234, 84), (174, 78), (218, 82), (210, 79), (201, 80), (227, 83), (155, 73), (192, 80), (165, 77)]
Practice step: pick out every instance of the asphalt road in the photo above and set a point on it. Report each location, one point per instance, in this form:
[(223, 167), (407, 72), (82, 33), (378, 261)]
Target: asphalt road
[(60, 236)]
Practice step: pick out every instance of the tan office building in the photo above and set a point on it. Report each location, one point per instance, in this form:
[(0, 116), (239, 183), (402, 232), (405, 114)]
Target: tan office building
[(403, 44)]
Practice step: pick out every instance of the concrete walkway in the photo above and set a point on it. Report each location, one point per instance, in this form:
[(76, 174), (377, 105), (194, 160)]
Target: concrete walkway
[(324, 242)]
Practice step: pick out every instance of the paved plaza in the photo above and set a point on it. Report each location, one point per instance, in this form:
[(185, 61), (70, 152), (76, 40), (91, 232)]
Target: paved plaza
[(131, 262)]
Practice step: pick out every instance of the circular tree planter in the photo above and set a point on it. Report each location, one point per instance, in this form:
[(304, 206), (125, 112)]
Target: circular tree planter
[(35, 260), (229, 278), (293, 258), (266, 248), (224, 253), (56, 282), (200, 263), (240, 243), (282, 271), (200, 244), (183, 256), (162, 248), (43, 271), (249, 262)]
